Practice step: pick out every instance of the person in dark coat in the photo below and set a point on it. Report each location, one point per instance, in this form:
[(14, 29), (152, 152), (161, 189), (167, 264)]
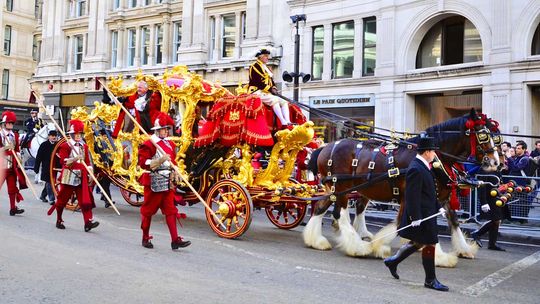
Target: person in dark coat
[(43, 162), (490, 210), (420, 203)]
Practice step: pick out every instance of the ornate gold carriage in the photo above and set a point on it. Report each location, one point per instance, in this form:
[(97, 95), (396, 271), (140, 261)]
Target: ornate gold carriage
[(223, 164)]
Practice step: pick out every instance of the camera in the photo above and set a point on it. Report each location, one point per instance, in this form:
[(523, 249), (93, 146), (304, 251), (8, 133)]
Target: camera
[(298, 18)]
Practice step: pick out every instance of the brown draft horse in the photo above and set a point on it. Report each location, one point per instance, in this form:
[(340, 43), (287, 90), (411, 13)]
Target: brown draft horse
[(458, 138)]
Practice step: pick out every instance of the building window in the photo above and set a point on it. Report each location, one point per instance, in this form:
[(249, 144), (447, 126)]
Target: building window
[(114, 49), (318, 52), (228, 36), (342, 49), (369, 53), (212, 37), (116, 5), (35, 48), (159, 45), (536, 42), (177, 40), (9, 5), (453, 40), (5, 84), (132, 3), (7, 40), (145, 44), (78, 52), (131, 47), (243, 28), (80, 8), (147, 2)]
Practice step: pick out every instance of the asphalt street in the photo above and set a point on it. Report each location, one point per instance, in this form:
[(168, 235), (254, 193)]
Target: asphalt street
[(42, 264)]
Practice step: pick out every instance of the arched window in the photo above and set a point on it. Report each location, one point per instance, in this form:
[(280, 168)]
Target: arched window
[(451, 41), (536, 42)]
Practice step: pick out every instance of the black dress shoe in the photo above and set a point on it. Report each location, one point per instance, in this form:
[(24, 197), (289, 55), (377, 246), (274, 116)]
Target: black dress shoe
[(496, 248), (435, 284), (90, 225), (12, 212), (147, 244), (43, 199), (179, 243), (389, 262), (476, 238), (60, 225)]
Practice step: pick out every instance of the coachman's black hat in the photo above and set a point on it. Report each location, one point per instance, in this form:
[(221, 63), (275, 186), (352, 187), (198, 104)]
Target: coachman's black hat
[(53, 133), (262, 52), (426, 143)]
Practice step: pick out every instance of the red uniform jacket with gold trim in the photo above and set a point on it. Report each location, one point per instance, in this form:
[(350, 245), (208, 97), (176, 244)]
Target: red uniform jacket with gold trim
[(147, 151)]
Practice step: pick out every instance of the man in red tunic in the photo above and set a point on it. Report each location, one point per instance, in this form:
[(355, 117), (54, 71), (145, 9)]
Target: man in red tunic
[(144, 105), (74, 177), (9, 144), (158, 191)]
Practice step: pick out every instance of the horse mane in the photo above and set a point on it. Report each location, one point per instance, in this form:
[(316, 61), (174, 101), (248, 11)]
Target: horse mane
[(440, 131)]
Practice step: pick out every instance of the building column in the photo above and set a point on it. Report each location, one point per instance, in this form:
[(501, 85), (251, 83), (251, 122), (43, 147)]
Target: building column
[(121, 43), (69, 53), (152, 44), (137, 59), (327, 54), (166, 46), (187, 23), (358, 48)]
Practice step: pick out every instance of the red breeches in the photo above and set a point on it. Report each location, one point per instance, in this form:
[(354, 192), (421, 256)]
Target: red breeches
[(158, 200)]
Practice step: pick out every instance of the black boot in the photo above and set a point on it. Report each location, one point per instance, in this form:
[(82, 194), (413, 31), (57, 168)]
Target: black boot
[(179, 243), (90, 225), (393, 261), (146, 243), (475, 235), (60, 225), (15, 211), (493, 235), (428, 261)]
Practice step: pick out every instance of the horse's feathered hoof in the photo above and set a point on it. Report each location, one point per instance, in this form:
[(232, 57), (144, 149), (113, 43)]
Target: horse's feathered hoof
[(321, 244)]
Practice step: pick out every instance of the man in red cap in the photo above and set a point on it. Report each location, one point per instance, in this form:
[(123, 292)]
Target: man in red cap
[(74, 177), (9, 144), (158, 191)]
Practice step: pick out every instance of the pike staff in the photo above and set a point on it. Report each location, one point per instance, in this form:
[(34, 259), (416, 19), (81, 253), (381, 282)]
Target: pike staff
[(88, 169), (176, 169)]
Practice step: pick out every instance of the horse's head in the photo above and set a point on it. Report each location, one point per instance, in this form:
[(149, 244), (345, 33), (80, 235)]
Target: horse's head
[(484, 140)]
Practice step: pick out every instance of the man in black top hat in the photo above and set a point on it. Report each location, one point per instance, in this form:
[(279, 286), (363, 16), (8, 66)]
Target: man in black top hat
[(43, 161), (420, 203)]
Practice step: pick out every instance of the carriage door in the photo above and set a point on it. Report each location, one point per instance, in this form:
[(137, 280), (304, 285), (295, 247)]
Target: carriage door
[(432, 109)]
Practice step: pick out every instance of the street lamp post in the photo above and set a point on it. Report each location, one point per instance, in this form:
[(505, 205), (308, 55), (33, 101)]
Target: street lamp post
[(296, 75)]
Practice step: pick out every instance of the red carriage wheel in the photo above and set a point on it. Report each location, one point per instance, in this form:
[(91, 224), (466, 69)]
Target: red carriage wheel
[(286, 215), (132, 198), (232, 204)]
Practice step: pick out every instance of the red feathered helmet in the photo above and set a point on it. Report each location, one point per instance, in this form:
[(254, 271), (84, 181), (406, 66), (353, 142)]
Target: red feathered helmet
[(8, 116), (163, 121), (76, 126)]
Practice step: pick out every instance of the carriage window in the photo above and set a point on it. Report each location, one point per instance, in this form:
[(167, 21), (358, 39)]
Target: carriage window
[(536, 42), (317, 55), (228, 36), (453, 40), (342, 49), (5, 84), (370, 46)]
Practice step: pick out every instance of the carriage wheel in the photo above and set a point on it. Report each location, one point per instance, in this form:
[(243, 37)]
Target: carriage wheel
[(286, 215), (54, 171), (132, 198), (232, 204)]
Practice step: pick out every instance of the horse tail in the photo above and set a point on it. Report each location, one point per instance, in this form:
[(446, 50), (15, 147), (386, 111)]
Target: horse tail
[(312, 164)]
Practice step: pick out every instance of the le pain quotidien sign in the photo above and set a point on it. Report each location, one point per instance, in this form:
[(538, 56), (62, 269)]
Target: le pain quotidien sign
[(342, 101)]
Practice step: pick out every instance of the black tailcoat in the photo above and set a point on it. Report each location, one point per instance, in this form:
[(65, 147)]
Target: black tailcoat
[(43, 159)]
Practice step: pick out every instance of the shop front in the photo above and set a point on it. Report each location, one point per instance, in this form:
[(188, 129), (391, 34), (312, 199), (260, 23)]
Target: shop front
[(330, 126)]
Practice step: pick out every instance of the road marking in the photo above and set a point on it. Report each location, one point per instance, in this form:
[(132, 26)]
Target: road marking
[(500, 276)]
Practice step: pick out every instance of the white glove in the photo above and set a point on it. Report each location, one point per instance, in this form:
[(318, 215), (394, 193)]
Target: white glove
[(443, 212), (35, 130), (416, 223), (485, 208)]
